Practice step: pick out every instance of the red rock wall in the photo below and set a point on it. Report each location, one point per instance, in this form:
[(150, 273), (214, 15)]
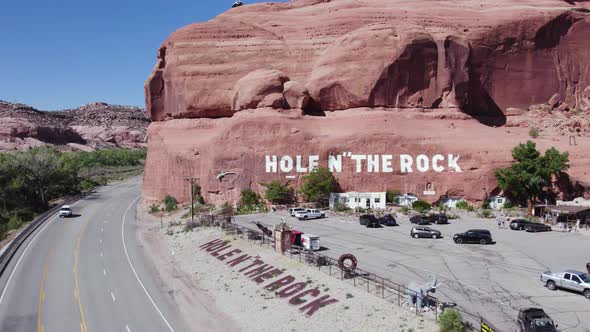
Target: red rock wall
[(465, 58)]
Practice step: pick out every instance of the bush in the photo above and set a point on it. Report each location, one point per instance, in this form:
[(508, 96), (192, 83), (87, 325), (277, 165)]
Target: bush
[(507, 205), (485, 205), (421, 206), (14, 222), (450, 320), (390, 195), (486, 213), (339, 207), (226, 210), (452, 216), (278, 193), (249, 197), (189, 226), (170, 203), (463, 205), (404, 210), (154, 208), (318, 185), (534, 132)]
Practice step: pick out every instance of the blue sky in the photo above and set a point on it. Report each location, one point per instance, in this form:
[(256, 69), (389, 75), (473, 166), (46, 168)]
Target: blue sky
[(64, 53)]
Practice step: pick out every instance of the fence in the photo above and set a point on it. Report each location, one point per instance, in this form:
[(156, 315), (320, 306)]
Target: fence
[(370, 282), (374, 284)]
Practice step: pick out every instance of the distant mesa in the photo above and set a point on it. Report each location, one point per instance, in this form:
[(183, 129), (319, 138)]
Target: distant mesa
[(93, 126)]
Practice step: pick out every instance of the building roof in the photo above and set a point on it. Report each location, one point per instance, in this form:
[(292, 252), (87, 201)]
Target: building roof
[(567, 209)]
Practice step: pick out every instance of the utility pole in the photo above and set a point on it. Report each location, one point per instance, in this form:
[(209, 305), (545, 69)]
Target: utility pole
[(192, 180)]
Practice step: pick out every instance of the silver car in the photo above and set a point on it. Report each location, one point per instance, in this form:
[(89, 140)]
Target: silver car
[(420, 231), (573, 280)]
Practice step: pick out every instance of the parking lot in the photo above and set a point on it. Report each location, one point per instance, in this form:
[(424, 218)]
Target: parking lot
[(494, 281)]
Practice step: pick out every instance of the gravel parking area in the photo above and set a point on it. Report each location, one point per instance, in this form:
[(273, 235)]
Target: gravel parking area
[(494, 281)]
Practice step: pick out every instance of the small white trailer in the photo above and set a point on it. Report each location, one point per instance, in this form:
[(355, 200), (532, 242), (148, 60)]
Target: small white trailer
[(310, 242)]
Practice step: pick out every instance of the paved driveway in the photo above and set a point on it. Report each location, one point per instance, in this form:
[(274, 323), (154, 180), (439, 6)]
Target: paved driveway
[(493, 280)]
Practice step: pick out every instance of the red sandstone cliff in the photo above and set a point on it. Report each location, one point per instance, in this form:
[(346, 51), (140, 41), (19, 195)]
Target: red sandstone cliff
[(384, 76), (92, 126)]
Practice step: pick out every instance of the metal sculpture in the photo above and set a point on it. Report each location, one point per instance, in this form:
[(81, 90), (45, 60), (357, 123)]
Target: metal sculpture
[(418, 293)]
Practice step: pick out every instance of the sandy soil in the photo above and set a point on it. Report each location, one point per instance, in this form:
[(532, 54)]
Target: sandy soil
[(214, 296)]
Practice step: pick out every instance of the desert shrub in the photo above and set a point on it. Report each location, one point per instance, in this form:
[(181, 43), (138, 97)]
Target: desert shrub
[(485, 213), (463, 205), (226, 210), (154, 208), (404, 210), (485, 205), (189, 226), (452, 216), (170, 203), (249, 197), (421, 206), (450, 320), (339, 207), (507, 205), (534, 132)]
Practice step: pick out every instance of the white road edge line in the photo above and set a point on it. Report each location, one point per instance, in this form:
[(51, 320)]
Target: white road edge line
[(133, 268), (127, 328), (104, 271), (25, 252), (113, 296)]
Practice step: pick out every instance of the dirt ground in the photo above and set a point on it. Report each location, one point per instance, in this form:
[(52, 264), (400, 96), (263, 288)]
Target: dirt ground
[(216, 297)]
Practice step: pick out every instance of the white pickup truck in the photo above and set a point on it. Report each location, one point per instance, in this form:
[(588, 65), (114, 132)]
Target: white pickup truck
[(572, 280), (309, 214)]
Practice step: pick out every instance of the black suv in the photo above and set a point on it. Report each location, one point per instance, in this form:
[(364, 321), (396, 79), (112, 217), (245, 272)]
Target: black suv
[(388, 220), (369, 220), (535, 320), (519, 224), (438, 218), (420, 220), (481, 236)]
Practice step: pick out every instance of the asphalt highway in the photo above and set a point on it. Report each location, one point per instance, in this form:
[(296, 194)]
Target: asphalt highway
[(87, 273)]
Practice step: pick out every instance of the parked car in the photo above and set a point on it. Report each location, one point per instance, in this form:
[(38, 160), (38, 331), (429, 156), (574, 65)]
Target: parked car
[(537, 227), (365, 218), (535, 320), (438, 218), (420, 220), (481, 236), (309, 214), (573, 280), (418, 232), (519, 224), (292, 211), (373, 223), (388, 220), (65, 211)]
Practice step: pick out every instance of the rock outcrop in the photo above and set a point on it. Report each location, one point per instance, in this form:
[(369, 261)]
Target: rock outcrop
[(92, 126), (385, 75)]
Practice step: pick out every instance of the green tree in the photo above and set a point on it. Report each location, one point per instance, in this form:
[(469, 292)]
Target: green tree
[(318, 185), (526, 178), (450, 320), (249, 197), (390, 195), (278, 193), (39, 172), (170, 203), (421, 206)]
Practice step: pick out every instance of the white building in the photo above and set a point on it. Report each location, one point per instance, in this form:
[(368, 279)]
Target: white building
[(580, 201), (497, 202), (451, 202), (355, 200), (405, 200)]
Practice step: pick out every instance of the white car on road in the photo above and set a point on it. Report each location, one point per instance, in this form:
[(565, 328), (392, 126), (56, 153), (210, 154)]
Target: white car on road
[(65, 211), (309, 214)]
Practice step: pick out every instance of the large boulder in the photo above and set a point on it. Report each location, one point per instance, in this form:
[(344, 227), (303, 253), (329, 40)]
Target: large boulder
[(251, 89)]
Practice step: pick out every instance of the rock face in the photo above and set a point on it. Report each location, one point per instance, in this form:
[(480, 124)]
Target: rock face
[(482, 64), (93, 126)]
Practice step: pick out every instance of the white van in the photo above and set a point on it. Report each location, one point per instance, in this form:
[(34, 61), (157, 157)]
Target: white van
[(65, 211)]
